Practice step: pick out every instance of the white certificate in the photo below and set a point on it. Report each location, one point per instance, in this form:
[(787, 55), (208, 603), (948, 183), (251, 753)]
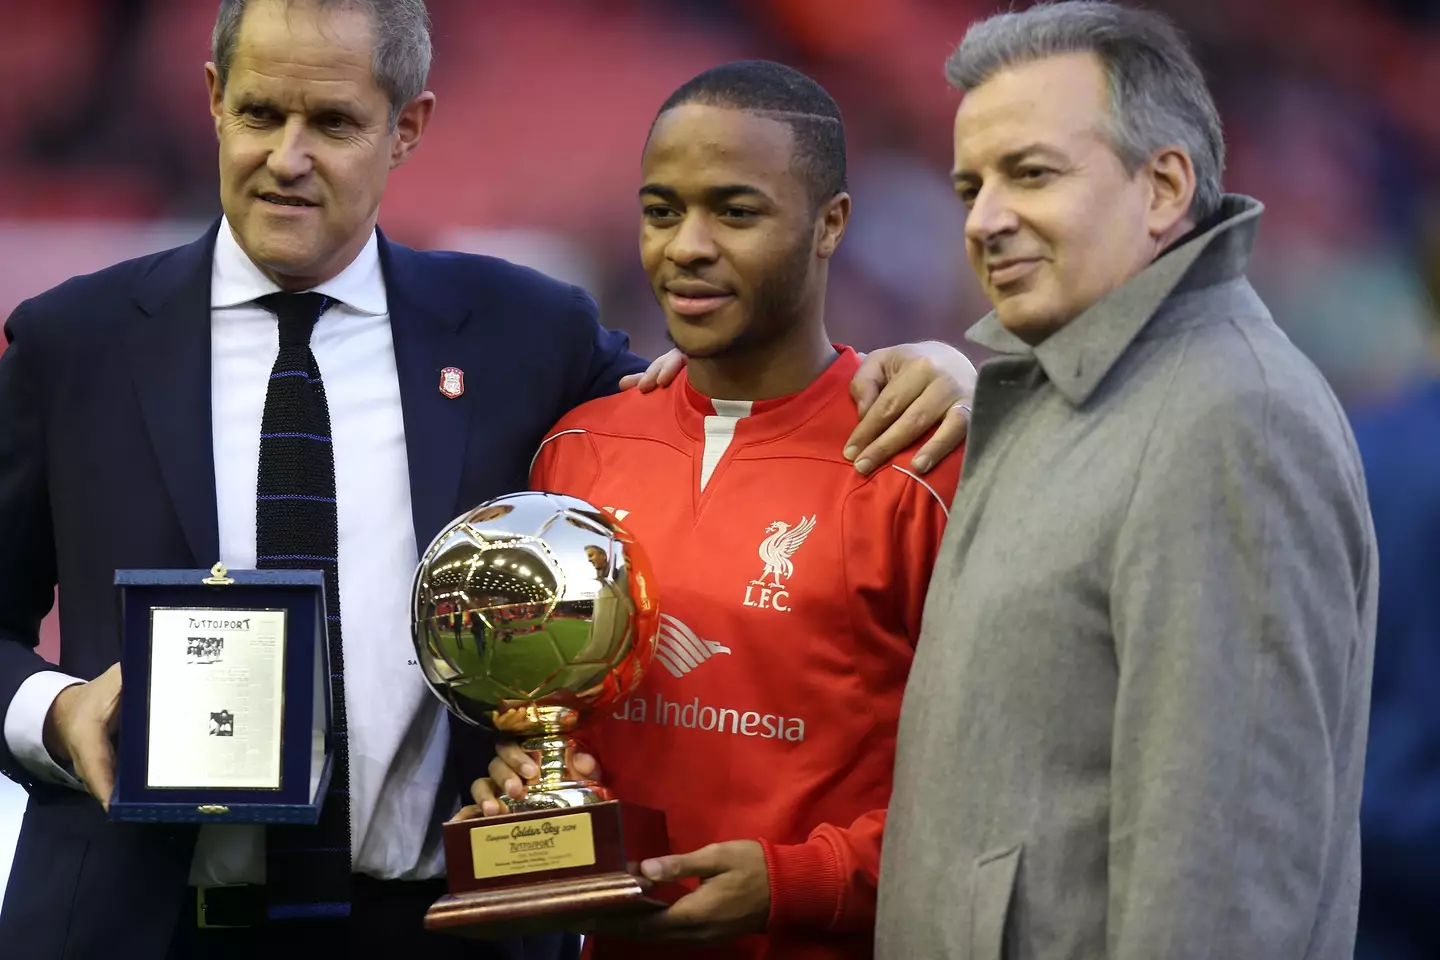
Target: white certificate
[(216, 697)]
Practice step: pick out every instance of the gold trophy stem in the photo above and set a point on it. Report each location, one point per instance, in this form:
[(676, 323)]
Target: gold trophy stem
[(556, 784)]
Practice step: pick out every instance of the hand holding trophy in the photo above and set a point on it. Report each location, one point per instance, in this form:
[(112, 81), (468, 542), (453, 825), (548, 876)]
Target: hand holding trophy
[(532, 612)]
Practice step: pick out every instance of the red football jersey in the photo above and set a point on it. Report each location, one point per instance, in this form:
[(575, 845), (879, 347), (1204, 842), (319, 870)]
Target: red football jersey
[(791, 590)]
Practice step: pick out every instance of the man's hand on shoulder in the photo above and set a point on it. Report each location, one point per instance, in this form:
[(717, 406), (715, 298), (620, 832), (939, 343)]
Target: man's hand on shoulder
[(903, 392), (79, 728), (661, 373)]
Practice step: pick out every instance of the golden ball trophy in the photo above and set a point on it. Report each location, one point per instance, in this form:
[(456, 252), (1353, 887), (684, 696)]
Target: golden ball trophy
[(532, 613)]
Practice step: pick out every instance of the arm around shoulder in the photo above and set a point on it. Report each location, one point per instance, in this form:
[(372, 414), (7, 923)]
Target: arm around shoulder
[(1242, 602), (607, 352)]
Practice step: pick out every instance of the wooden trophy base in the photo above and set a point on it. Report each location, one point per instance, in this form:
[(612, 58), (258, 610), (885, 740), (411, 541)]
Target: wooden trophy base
[(547, 870), (541, 907)]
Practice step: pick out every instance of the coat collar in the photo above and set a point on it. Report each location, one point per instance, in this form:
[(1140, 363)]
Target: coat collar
[(169, 353), (1081, 354)]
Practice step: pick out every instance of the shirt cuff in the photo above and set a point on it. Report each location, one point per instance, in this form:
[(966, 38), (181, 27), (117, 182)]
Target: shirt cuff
[(25, 726), (805, 888)]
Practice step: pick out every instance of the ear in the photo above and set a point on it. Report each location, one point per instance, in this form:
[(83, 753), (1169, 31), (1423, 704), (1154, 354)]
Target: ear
[(1172, 188), (410, 127), (217, 94), (834, 216)]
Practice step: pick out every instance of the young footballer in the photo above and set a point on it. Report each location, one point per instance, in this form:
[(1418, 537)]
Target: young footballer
[(791, 586)]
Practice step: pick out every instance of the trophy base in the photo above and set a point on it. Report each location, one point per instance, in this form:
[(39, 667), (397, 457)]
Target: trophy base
[(548, 870), (540, 908)]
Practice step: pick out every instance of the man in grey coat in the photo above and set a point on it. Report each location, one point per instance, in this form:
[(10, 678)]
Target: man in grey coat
[(1136, 722)]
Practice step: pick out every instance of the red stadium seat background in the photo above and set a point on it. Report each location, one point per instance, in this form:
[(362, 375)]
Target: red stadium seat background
[(107, 149)]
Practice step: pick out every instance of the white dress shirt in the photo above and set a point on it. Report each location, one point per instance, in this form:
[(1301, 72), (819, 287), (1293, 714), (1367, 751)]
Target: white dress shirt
[(398, 734)]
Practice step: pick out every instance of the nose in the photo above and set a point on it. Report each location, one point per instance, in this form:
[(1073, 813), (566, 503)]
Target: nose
[(693, 242), (990, 216), (290, 157)]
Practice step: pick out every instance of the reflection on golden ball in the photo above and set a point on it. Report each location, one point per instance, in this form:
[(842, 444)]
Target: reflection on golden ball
[(532, 611)]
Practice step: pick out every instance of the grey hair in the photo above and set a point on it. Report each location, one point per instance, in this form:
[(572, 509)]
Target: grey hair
[(400, 63), (1158, 97)]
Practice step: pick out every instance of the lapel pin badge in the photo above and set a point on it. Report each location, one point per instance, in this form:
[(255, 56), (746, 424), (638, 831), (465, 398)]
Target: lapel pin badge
[(452, 382)]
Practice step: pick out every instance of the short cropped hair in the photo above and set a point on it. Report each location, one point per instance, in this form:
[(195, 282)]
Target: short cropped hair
[(1158, 97), (400, 63), (780, 93)]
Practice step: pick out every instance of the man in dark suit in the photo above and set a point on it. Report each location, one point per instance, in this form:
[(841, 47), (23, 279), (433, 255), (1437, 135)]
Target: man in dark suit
[(291, 390)]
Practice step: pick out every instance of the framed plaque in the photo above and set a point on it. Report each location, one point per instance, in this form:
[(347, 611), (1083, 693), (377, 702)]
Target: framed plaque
[(225, 710)]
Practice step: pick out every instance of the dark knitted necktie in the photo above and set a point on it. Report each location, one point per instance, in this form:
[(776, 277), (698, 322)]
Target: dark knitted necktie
[(307, 868)]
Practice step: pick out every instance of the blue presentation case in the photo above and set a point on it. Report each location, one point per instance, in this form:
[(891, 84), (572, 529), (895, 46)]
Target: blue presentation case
[(305, 712)]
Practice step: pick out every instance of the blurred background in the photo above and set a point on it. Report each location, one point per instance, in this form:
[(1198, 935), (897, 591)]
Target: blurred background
[(107, 152)]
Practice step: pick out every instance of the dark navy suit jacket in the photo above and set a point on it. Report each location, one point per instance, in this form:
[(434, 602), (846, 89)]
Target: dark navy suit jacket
[(106, 463)]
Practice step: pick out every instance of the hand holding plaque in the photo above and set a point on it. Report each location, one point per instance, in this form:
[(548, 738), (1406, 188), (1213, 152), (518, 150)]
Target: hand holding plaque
[(78, 731), (533, 612)]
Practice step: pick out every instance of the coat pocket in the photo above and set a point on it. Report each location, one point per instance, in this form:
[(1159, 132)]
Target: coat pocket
[(990, 902)]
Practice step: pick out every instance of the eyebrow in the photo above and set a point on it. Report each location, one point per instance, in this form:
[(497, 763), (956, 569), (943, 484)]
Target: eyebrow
[(712, 195), (1011, 159), (317, 107)]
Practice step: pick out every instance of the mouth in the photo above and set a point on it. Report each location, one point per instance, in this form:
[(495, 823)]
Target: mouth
[(1003, 272), (283, 200), (692, 298)]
